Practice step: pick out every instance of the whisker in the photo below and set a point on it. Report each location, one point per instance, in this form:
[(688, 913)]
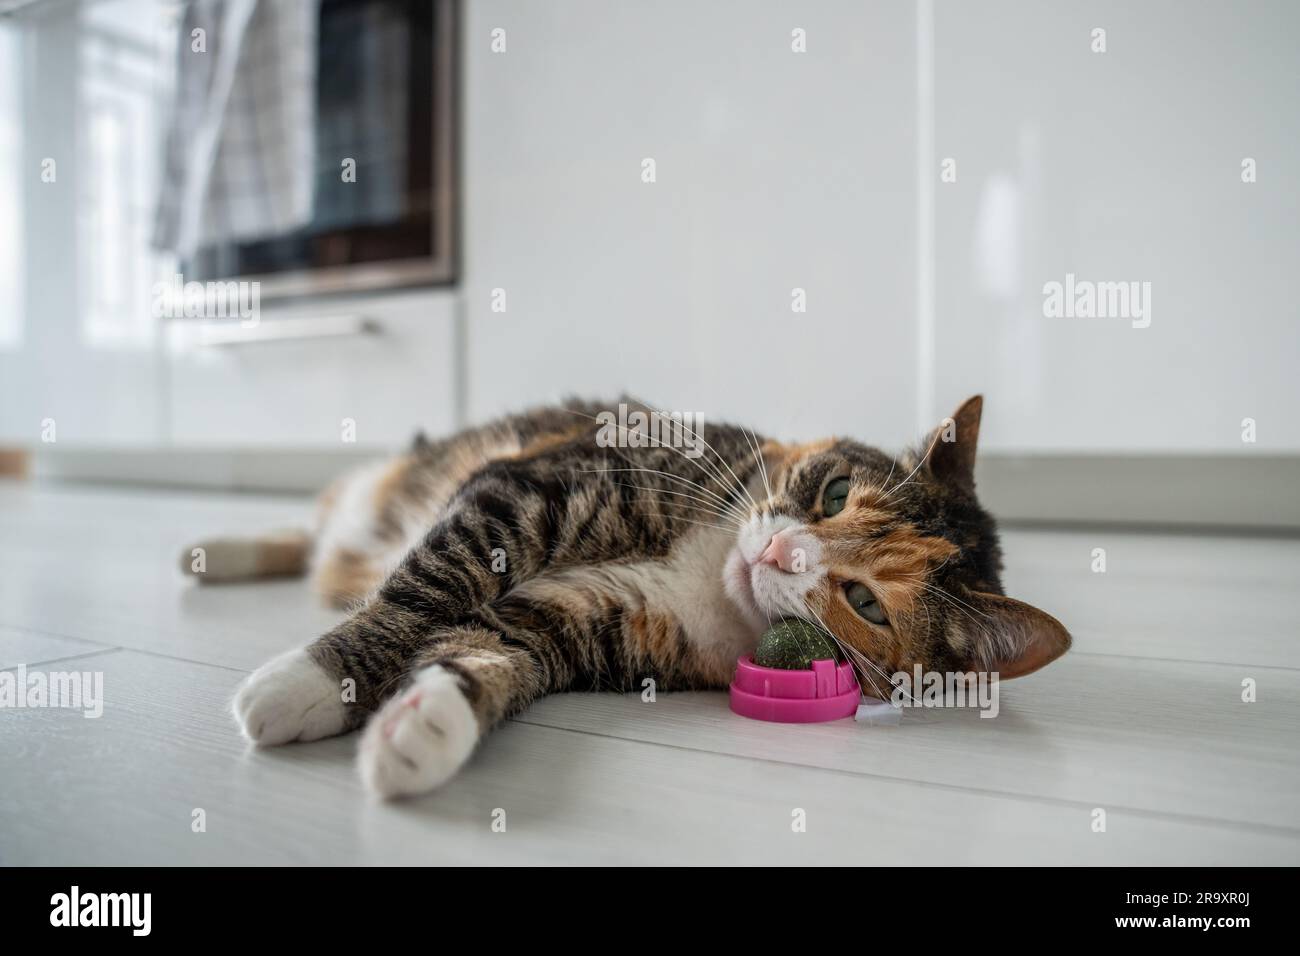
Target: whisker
[(936, 437), (705, 524), (728, 505), (758, 459), (962, 609), (661, 473), (739, 484), (730, 519), (892, 465), (714, 472), (705, 502), (863, 658), (856, 656), (952, 597)]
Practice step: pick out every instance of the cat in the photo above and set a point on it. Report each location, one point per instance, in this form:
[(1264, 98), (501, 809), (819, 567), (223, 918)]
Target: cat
[(528, 557)]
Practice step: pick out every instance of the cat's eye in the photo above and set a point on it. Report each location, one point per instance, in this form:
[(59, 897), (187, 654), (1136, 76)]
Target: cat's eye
[(835, 497), (865, 603)]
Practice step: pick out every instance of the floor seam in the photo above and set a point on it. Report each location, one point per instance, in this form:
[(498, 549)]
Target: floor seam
[(1029, 797), (39, 632), (67, 657), (1182, 660), (188, 660), (100, 646)]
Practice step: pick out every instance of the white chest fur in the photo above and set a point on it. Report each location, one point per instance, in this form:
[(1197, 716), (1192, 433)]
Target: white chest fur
[(686, 586)]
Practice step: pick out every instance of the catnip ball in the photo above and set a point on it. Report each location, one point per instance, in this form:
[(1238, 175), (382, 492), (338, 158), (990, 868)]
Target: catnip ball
[(794, 643)]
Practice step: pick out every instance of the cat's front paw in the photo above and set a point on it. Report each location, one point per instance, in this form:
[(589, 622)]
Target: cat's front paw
[(290, 698), (420, 738)]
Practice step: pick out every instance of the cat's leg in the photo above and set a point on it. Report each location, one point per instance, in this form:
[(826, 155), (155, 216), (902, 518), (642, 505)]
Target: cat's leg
[(291, 697), (362, 530), (489, 544), (467, 681)]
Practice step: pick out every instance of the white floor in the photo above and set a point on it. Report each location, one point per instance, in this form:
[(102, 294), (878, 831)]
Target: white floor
[(1144, 720)]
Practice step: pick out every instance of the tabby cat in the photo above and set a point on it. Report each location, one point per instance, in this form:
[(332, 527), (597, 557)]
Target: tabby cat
[(527, 557)]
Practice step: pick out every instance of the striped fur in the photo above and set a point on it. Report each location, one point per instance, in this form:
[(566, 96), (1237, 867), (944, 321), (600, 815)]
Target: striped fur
[(524, 558)]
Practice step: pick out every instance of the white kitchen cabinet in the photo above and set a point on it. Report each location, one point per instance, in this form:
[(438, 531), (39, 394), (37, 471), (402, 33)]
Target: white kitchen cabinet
[(1116, 166), (775, 170), (367, 390)]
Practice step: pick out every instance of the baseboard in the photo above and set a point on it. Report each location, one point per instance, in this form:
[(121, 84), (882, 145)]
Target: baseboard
[(1255, 493), (302, 471), (1252, 492)]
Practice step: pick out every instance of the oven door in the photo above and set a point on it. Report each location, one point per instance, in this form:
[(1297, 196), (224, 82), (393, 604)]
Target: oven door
[(384, 192)]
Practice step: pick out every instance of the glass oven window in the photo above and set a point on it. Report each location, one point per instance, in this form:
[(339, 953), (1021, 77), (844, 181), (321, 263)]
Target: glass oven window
[(381, 105)]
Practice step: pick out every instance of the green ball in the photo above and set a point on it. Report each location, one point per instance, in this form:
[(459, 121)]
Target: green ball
[(793, 644)]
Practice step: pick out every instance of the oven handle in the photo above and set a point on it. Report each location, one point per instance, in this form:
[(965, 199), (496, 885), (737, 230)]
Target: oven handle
[(227, 334)]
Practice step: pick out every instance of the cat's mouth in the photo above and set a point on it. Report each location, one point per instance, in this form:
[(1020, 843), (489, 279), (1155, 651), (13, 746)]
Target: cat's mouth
[(738, 581), (764, 592)]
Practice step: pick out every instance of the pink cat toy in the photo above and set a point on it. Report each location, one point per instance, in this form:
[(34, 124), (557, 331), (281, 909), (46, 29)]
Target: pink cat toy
[(824, 691)]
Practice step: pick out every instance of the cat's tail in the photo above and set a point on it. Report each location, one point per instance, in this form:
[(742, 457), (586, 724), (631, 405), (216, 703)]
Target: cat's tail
[(274, 554)]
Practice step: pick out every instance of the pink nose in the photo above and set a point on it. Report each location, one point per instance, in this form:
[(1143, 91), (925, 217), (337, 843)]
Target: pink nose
[(781, 552)]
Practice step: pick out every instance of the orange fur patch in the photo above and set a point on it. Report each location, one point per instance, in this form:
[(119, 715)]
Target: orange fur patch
[(283, 552), (345, 577), (789, 454), (900, 562), (545, 442), (886, 646), (327, 500), (653, 636), (780, 458), (390, 481), (893, 565)]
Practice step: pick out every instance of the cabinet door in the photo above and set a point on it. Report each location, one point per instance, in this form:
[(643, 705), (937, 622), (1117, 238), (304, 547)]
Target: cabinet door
[(765, 275), (1116, 143), (319, 391)]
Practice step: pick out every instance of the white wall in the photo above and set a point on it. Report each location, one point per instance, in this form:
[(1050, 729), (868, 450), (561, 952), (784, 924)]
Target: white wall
[(778, 170), (1123, 165)]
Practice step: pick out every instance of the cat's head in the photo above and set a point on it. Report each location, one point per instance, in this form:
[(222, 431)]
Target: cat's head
[(895, 557)]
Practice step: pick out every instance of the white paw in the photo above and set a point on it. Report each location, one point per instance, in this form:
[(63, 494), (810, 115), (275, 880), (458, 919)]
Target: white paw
[(419, 738), (290, 698)]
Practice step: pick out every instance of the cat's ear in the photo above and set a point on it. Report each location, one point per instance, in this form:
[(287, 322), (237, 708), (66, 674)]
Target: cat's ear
[(952, 445), (1013, 638)]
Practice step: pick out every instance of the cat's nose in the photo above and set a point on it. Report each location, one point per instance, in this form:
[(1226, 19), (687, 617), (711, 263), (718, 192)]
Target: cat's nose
[(781, 552)]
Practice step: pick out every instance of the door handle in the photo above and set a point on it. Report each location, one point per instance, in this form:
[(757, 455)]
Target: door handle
[(286, 330)]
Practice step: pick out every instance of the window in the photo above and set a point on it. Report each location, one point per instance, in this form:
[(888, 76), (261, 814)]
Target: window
[(11, 188), (123, 54)]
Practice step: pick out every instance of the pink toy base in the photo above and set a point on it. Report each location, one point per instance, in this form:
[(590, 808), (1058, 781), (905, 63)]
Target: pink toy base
[(824, 692)]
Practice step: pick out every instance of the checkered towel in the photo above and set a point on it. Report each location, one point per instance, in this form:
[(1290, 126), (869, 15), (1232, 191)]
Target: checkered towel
[(241, 140)]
